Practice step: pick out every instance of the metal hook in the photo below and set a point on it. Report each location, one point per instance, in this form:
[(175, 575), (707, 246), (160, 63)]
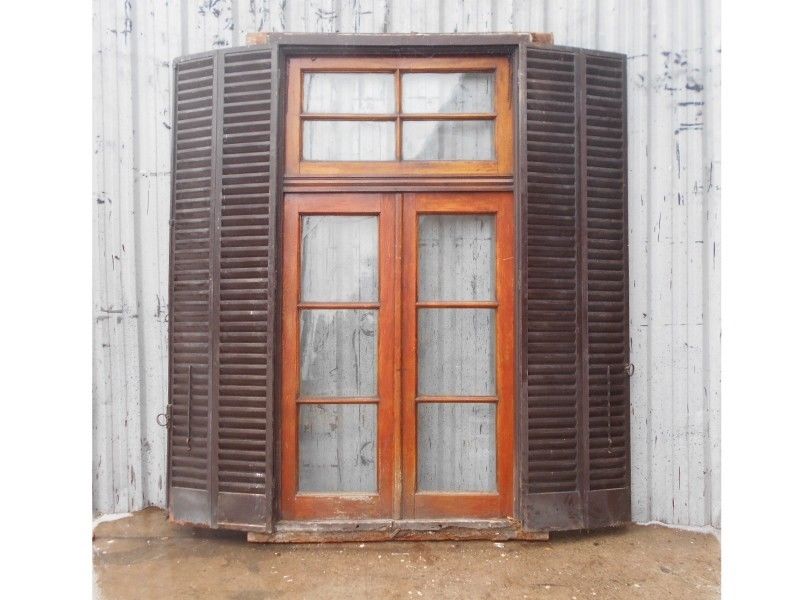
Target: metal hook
[(629, 369)]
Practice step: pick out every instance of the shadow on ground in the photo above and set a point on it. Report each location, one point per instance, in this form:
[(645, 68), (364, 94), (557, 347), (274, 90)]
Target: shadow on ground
[(144, 556)]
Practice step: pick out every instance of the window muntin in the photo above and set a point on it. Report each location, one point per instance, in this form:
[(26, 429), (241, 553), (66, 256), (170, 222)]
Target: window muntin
[(397, 116)]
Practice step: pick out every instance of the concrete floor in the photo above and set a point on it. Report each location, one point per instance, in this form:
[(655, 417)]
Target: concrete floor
[(143, 556)]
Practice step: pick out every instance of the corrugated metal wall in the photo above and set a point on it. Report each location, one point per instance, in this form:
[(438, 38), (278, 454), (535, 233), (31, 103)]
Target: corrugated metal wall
[(673, 90)]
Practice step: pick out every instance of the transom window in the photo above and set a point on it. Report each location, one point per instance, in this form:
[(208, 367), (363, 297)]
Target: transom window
[(387, 116)]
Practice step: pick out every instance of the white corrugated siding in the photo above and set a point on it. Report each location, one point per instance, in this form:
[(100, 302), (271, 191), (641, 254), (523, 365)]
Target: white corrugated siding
[(674, 146)]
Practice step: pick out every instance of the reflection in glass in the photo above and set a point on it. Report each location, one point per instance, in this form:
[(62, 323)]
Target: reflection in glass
[(348, 140), (337, 444), (456, 351), (339, 260), (448, 92), (456, 257), (338, 352), (355, 93), (456, 447), (448, 140)]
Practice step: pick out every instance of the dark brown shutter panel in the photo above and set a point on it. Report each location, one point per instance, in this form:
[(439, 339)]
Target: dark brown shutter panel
[(246, 293), (606, 312), (222, 292), (551, 487), (190, 292), (575, 458)]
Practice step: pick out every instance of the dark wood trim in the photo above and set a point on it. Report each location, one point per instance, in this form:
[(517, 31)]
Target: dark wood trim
[(275, 273), (215, 225), (392, 40), (583, 287), (520, 200), (415, 44), (379, 530), (626, 251)]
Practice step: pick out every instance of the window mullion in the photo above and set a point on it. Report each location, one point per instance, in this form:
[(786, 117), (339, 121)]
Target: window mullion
[(398, 128)]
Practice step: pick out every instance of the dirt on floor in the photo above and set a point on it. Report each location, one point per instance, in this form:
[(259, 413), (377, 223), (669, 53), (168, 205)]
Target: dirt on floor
[(144, 556)]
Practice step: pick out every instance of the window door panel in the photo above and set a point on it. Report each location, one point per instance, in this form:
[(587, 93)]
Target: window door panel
[(338, 404), (458, 314)]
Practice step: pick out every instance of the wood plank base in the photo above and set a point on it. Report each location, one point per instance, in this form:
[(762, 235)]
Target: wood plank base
[(382, 530)]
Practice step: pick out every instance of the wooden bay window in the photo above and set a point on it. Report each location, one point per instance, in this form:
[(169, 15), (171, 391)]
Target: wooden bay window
[(398, 288)]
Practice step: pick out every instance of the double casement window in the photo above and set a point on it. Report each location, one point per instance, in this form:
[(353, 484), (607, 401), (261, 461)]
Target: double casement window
[(399, 286)]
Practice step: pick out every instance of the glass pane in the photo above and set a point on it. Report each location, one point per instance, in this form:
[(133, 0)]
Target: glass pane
[(456, 257), (338, 352), (456, 351), (337, 448), (339, 260), (448, 140), (348, 140), (448, 92), (355, 93), (456, 447)]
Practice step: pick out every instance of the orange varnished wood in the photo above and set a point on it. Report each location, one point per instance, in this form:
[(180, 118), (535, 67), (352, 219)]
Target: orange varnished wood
[(296, 505), (502, 116), (476, 505), (397, 398)]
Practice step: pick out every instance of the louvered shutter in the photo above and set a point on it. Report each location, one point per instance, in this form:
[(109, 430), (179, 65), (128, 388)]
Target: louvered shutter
[(189, 473), (246, 293), (606, 275), (222, 292), (574, 455), (551, 486)]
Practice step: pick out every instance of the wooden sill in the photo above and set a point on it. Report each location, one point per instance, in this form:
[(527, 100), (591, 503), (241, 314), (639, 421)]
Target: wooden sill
[(379, 530)]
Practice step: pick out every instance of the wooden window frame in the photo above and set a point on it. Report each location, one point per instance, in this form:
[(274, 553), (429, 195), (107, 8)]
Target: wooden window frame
[(503, 164)]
